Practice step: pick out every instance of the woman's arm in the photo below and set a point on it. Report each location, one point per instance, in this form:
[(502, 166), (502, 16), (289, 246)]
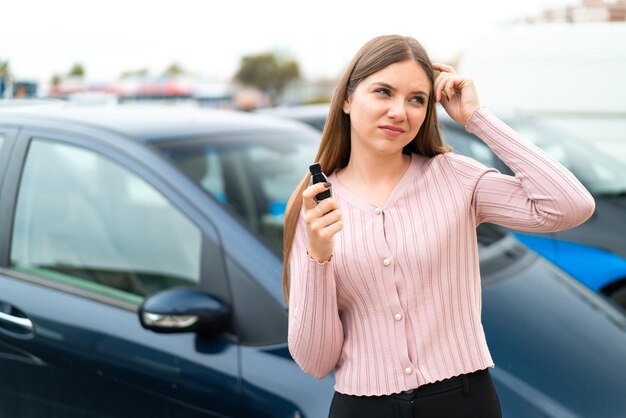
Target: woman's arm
[(315, 330), (543, 196)]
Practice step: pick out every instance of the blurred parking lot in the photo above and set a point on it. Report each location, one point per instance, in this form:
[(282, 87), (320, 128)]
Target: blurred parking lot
[(141, 230)]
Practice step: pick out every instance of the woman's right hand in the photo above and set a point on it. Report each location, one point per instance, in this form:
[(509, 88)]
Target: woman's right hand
[(323, 221)]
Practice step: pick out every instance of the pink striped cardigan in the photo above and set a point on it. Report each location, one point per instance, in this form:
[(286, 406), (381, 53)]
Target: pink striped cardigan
[(399, 303)]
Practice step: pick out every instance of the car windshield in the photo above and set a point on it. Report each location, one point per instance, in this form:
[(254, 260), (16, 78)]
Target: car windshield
[(602, 174), (252, 176), (606, 132)]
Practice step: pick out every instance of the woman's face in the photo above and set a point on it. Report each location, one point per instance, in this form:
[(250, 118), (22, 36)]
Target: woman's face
[(388, 108)]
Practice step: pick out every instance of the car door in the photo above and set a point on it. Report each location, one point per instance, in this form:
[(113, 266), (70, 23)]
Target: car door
[(88, 231), (252, 174)]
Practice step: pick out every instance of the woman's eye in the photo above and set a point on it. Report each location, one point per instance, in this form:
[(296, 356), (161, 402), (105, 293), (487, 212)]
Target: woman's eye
[(384, 91), (418, 100)]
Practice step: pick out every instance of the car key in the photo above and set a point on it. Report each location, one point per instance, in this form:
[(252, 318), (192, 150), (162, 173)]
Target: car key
[(317, 176)]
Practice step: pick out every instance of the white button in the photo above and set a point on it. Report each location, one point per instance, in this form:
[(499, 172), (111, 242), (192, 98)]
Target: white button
[(398, 316), (386, 261), (378, 211), (408, 370)]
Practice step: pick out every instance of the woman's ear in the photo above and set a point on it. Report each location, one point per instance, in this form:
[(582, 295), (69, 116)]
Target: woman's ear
[(346, 106)]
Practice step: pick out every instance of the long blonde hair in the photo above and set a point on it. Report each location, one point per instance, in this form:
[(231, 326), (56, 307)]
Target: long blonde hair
[(334, 149)]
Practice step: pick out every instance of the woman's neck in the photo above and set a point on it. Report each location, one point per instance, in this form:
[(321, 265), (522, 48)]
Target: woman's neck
[(374, 177), (372, 170)]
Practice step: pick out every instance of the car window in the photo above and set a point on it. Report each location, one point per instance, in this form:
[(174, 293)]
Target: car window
[(1, 140), (600, 173), (465, 144), (252, 177), (84, 220), (604, 131)]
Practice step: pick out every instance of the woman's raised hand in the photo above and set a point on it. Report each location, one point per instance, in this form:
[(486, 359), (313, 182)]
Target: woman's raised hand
[(323, 221), (456, 94)]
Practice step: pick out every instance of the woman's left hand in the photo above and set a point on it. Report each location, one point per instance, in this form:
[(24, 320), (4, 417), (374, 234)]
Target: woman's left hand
[(456, 94)]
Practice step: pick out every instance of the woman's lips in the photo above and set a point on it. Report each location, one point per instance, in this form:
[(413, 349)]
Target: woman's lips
[(391, 130)]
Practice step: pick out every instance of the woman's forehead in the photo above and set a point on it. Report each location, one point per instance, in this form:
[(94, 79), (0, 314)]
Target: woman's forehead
[(405, 75)]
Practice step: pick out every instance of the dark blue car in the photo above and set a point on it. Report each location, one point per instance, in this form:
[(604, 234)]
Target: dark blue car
[(140, 276)]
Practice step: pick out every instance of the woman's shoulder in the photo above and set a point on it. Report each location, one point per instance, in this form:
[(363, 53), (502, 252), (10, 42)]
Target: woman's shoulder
[(452, 160), (460, 162)]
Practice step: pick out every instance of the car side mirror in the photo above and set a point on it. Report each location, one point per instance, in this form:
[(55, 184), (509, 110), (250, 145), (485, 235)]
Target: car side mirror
[(184, 309)]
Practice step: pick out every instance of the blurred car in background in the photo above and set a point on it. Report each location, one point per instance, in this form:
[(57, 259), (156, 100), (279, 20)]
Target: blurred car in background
[(29, 102), (140, 275), (594, 252), (313, 114)]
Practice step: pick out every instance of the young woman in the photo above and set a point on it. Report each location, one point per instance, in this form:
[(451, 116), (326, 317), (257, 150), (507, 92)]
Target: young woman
[(382, 278)]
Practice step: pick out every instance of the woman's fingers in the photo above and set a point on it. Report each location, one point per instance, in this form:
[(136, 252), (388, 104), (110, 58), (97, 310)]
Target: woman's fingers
[(308, 196), (449, 88), (446, 81), (325, 226), (457, 94), (437, 89), (323, 221), (320, 209), (319, 224), (444, 86), (319, 216), (443, 67), (332, 229)]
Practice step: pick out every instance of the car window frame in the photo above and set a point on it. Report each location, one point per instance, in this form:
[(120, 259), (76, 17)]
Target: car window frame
[(458, 129), (9, 133), (120, 150)]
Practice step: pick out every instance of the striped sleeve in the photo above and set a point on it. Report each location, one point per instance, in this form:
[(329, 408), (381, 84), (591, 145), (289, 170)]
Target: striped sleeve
[(315, 330), (543, 196)]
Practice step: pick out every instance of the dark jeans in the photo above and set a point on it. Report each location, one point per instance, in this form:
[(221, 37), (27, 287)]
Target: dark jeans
[(467, 396)]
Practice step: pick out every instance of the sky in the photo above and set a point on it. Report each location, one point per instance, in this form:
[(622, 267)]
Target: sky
[(209, 37)]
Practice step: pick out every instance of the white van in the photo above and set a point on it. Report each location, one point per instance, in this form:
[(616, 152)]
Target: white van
[(573, 75)]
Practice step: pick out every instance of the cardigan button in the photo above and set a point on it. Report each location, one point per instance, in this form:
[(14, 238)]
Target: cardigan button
[(386, 261), (378, 211), (398, 316), (408, 370)]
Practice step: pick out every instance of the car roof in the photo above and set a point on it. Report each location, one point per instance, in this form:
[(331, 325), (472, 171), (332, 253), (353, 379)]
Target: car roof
[(298, 111), (148, 122), (308, 111)]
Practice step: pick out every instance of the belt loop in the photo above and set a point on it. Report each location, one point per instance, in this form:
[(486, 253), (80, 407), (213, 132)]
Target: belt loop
[(466, 386)]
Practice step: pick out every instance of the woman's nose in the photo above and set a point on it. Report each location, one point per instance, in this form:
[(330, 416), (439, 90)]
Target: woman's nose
[(396, 110)]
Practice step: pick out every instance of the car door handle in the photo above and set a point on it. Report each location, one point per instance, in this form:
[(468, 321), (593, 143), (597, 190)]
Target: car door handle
[(16, 320)]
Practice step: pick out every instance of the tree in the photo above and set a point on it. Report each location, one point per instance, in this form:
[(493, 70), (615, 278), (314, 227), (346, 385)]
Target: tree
[(174, 70), (56, 80), (77, 70), (4, 68), (4, 77), (267, 71), (143, 72)]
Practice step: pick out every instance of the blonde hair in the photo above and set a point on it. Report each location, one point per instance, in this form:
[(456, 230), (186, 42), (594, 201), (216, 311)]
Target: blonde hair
[(334, 148)]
